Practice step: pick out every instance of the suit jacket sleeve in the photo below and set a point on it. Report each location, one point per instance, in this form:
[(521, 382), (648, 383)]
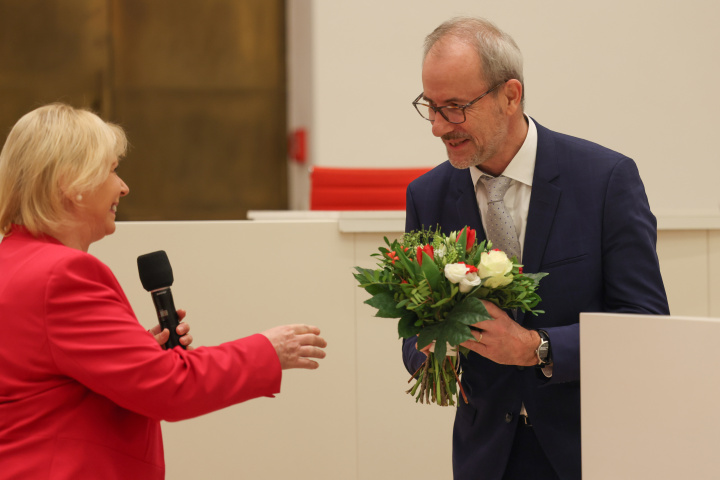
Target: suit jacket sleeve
[(623, 269), (96, 339), (412, 358)]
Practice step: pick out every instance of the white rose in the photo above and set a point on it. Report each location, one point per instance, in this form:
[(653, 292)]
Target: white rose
[(494, 267), (470, 281), (455, 272)]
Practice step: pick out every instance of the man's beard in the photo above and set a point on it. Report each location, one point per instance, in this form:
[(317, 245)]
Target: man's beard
[(481, 154), (478, 157)]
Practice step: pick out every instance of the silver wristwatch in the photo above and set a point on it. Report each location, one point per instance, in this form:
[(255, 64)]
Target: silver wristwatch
[(543, 350)]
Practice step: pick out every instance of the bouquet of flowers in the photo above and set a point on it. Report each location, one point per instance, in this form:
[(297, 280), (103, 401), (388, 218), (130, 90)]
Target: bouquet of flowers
[(434, 283)]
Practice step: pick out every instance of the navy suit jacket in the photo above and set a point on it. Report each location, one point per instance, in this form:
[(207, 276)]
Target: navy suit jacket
[(590, 227)]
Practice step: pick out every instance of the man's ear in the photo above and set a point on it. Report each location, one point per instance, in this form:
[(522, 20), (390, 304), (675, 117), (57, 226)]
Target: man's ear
[(512, 95)]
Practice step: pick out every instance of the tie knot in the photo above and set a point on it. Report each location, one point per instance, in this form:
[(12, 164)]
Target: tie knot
[(496, 186)]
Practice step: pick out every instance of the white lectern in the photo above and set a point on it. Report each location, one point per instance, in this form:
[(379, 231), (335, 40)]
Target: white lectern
[(650, 397)]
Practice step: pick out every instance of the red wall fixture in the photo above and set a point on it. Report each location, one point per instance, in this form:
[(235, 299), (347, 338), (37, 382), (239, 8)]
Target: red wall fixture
[(360, 188)]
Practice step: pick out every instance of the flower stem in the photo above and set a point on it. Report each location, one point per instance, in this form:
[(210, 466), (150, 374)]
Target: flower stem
[(437, 381)]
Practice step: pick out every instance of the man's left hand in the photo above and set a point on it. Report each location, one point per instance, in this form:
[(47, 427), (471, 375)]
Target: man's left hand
[(503, 340)]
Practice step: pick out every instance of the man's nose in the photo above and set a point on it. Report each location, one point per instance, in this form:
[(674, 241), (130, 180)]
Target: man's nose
[(440, 126)]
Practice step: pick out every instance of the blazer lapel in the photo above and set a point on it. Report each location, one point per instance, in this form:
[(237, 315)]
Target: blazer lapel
[(541, 214), (465, 204), (544, 201)]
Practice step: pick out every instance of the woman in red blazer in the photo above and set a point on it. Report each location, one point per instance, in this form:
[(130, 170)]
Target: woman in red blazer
[(83, 386)]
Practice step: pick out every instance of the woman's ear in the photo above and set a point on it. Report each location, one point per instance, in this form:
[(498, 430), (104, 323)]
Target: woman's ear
[(71, 197)]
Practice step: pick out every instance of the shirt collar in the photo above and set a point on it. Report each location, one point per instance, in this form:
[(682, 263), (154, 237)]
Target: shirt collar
[(522, 167)]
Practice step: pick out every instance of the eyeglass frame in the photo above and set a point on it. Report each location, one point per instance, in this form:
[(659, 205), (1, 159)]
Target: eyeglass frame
[(461, 108)]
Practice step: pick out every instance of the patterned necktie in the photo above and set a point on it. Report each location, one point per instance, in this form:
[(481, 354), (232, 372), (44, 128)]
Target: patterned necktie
[(500, 226)]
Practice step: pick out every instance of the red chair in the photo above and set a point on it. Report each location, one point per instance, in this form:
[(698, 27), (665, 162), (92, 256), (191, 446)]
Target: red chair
[(360, 188)]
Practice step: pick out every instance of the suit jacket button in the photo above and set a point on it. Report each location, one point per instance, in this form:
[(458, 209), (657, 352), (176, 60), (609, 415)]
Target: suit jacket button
[(521, 368), (508, 417)]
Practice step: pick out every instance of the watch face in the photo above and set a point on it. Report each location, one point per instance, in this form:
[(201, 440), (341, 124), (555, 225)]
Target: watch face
[(543, 351)]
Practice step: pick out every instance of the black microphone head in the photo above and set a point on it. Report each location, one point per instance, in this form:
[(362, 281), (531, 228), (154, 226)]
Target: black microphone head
[(155, 270)]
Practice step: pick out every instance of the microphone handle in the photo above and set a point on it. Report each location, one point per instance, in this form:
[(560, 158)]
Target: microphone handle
[(167, 315)]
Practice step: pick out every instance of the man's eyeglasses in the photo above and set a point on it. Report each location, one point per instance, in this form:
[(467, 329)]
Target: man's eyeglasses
[(450, 113)]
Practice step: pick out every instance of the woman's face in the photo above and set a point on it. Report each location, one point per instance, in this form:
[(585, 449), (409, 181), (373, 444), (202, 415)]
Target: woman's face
[(99, 207)]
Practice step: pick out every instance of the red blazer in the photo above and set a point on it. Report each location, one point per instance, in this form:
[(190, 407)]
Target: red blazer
[(83, 386)]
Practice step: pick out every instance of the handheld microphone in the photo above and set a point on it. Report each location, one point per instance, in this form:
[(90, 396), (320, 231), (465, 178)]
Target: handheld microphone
[(156, 277)]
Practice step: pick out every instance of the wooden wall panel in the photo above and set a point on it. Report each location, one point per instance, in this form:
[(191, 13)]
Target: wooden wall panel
[(198, 86), (201, 155), (51, 50)]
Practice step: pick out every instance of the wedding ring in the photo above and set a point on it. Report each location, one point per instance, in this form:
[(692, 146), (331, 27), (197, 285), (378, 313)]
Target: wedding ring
[(478, 340)]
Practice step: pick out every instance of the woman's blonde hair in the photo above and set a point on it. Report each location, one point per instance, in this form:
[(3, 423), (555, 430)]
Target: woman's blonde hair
[(51, 154)]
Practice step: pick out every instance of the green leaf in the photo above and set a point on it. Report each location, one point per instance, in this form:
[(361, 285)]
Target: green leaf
[(440, 349), (462, 242), (428, 335), (363, 274), (407, 325), (375, 289), (441, 302), (385, 303), (431, 271), (455, 332), (411, 267), (469, 312), (448, 331)]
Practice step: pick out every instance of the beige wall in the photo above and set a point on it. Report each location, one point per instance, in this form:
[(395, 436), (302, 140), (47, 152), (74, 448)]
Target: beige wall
[(649, 406), (350, 419), (637, 77)]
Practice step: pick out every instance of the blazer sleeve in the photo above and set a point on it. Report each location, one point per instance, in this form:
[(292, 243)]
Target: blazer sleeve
[(632, 280), (96, 339), (630, 270), (412, 358)]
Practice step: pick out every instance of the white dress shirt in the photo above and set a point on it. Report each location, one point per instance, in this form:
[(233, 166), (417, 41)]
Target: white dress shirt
[(517, 197)]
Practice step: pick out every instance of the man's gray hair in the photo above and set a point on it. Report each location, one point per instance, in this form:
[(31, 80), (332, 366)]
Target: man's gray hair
[(500, 56)]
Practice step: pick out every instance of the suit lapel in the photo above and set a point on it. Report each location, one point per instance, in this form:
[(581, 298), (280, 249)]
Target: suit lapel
[(465, 204), (544, 201)]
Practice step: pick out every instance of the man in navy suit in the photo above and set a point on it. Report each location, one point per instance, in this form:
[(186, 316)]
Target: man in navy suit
[(581, 214)]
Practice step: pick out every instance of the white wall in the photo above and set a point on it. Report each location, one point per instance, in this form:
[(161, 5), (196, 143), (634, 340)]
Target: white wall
[(640, 412), (350, 419), (638, 77)]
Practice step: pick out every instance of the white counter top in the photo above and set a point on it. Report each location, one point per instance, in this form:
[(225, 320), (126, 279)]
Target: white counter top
[(394, 220)]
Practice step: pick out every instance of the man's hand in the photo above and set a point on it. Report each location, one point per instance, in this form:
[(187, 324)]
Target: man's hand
[(503, 340), (182, 330)]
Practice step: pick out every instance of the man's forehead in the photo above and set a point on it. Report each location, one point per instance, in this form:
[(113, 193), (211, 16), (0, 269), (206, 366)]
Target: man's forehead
[(450, 81), (447, 62)]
